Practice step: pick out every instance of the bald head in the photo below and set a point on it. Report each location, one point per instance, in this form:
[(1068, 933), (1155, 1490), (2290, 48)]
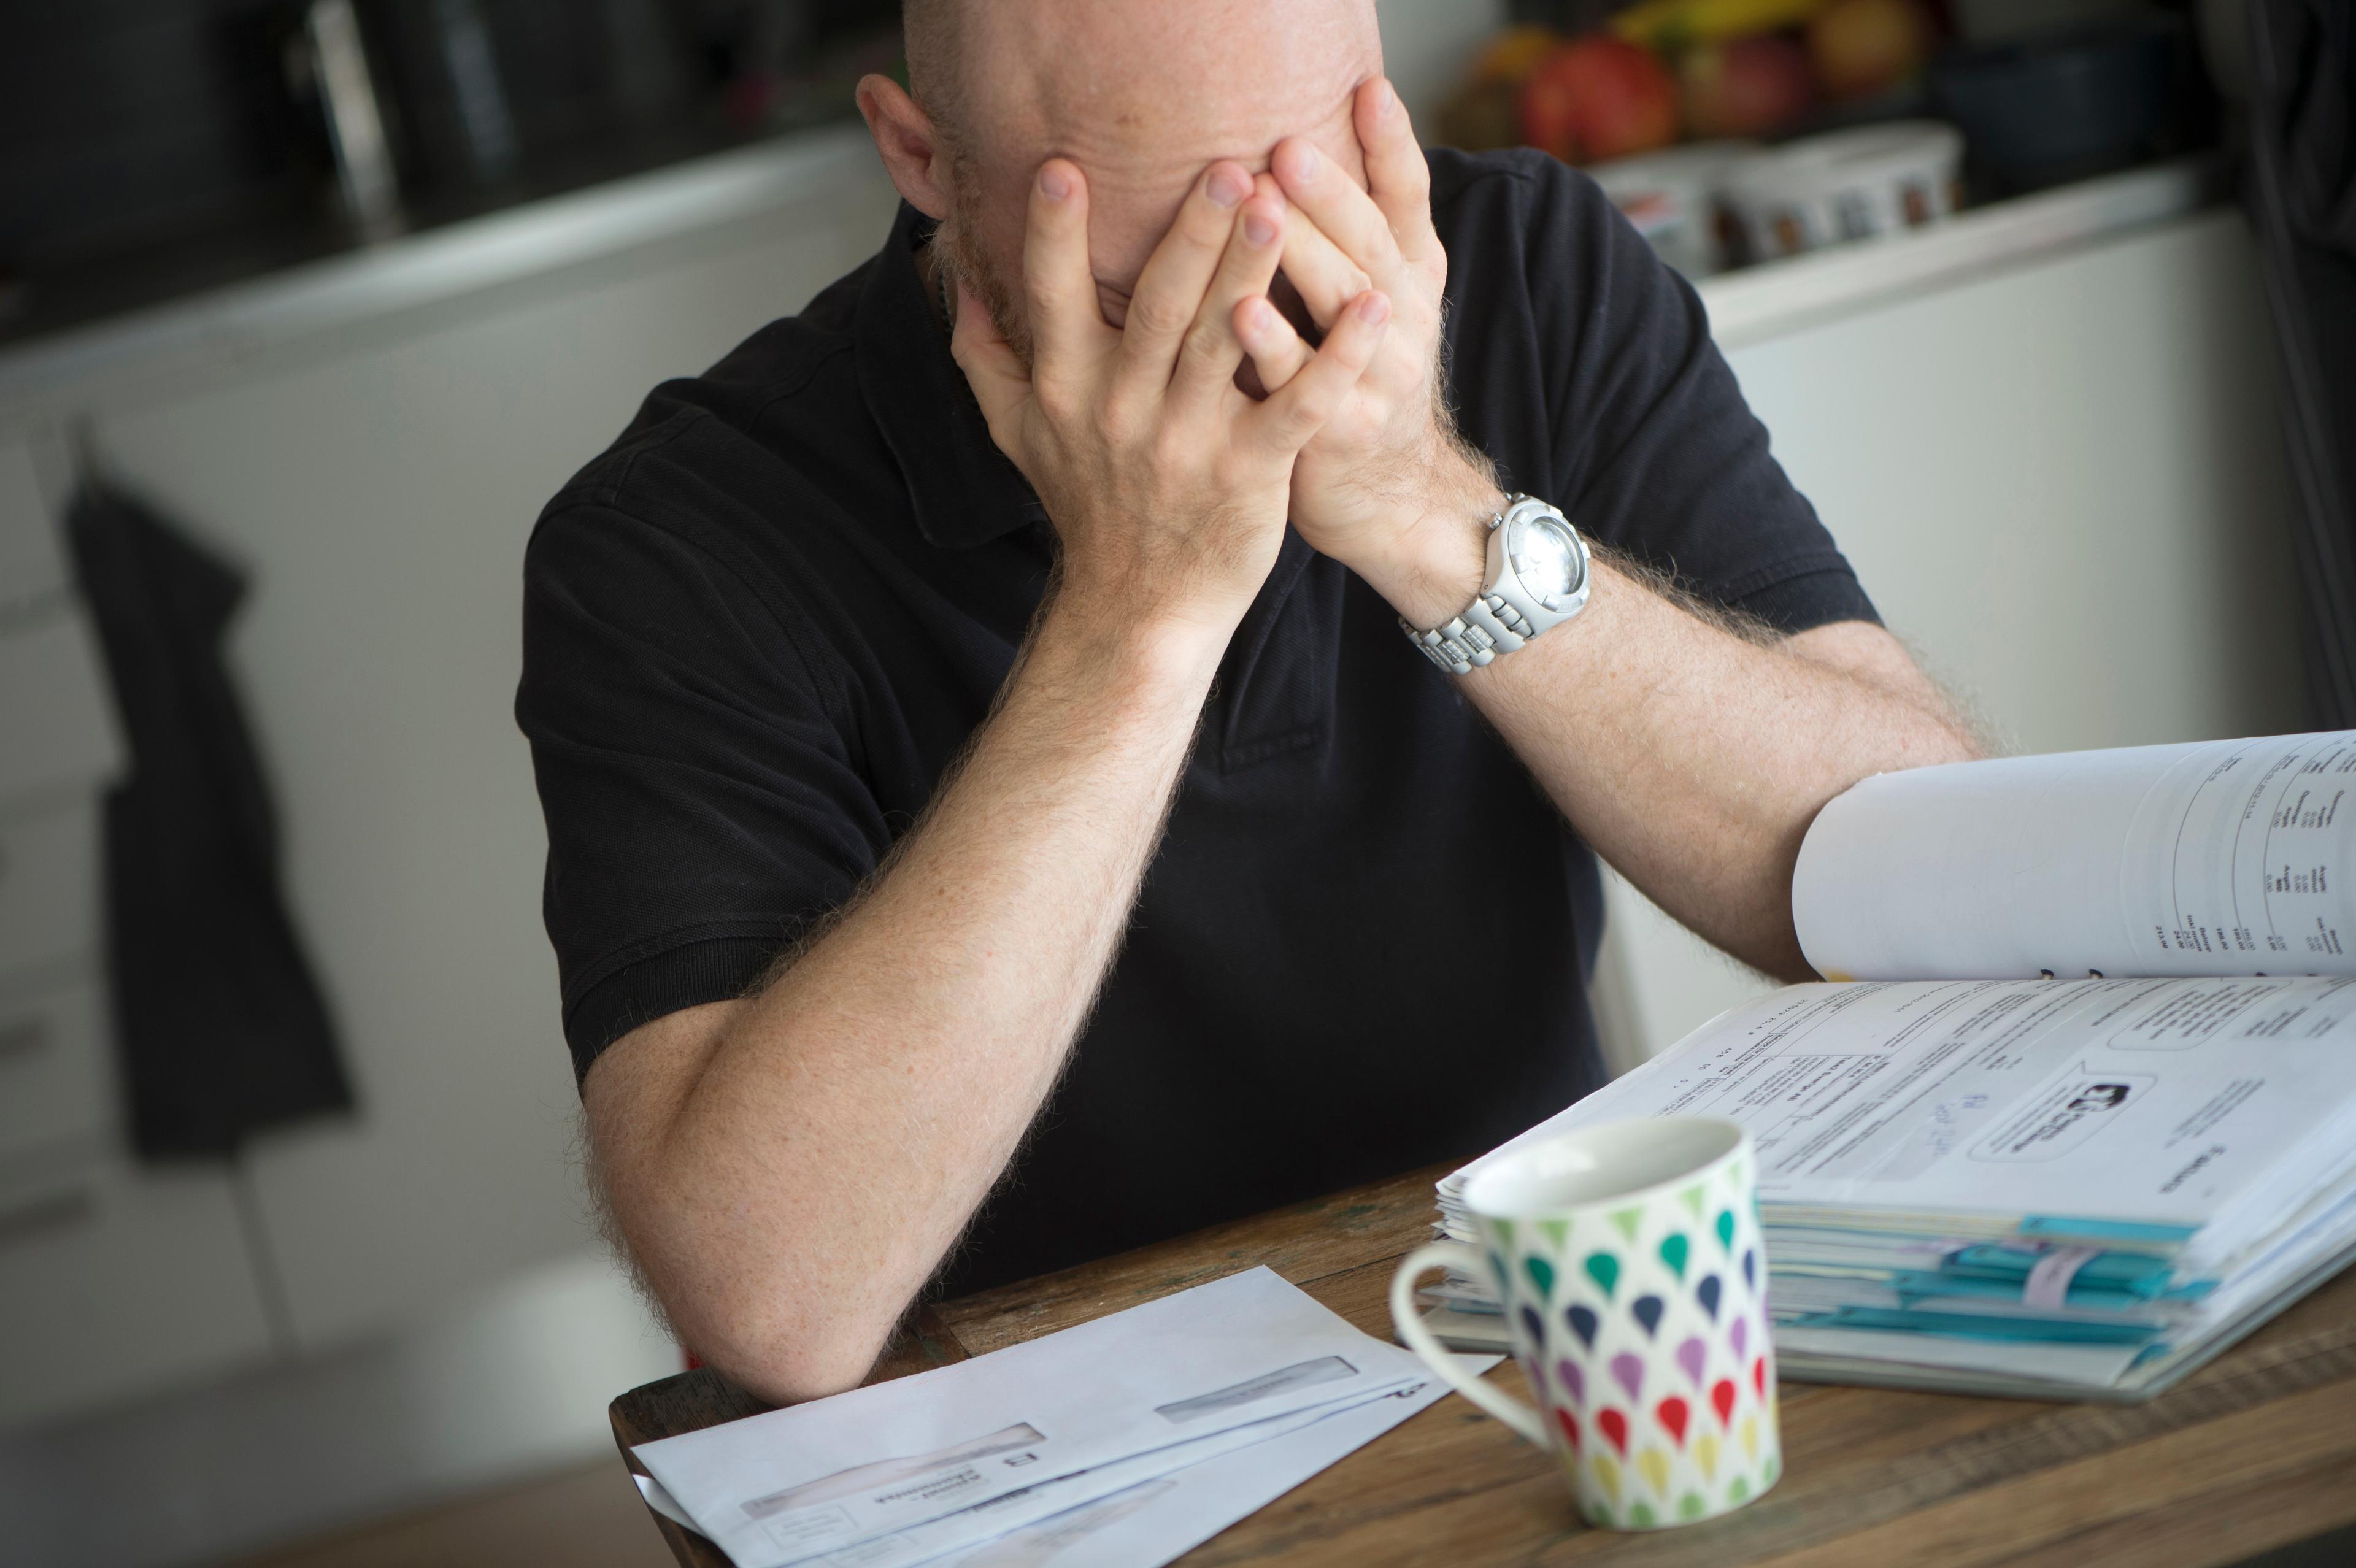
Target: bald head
[(1142, 94)]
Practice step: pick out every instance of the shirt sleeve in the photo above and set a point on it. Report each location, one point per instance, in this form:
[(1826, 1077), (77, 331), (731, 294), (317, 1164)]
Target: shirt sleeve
[(1654, 448), (703, 803)]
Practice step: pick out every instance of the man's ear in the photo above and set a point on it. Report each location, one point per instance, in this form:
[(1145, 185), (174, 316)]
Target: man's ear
[(912, 152)]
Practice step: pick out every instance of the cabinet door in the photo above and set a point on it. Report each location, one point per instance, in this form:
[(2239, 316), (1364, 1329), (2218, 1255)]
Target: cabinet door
[(2064, 484), (115, 1283)]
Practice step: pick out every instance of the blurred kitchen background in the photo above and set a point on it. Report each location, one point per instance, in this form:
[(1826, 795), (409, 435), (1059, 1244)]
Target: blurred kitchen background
[(305, 308)]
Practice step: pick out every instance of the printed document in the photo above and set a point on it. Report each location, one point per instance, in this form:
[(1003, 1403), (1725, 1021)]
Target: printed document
[(1151, 1521), (2172, 1103), (2220, 858)]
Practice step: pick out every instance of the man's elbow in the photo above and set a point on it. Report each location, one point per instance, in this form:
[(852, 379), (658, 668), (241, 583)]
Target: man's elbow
[(763, 1334), (737, 1296), (772, 1317)]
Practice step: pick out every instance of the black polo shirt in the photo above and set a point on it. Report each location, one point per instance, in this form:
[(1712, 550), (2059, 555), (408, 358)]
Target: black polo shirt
[(758, 628)]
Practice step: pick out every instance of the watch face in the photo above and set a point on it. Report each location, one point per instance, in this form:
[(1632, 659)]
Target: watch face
[(1547, 559)]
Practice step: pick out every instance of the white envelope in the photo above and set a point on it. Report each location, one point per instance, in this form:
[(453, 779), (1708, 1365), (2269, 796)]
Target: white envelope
[(1174, 1378)]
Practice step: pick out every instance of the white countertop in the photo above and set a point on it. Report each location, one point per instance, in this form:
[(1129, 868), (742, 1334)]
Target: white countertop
[(230, 328), (240, 328)]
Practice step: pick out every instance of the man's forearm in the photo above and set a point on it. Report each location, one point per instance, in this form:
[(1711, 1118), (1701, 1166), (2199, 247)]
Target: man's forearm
[(788, 1170), (1691, 757)]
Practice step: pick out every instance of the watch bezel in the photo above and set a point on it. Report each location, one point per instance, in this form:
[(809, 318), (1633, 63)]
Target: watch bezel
[(1505, 585), (1516, 530), (1505, 614)]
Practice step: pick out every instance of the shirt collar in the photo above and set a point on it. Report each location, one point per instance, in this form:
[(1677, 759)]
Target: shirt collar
[(964, 490)]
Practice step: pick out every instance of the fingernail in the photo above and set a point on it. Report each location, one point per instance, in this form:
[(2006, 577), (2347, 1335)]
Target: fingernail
[(1300, 162), (1259, 229), (1226, 189), (1053, 183), (1376, 309), (1263, 316), (1386, 101)]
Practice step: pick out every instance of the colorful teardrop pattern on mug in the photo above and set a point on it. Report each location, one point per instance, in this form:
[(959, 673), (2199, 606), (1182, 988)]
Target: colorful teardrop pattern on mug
[(1662, 1311)]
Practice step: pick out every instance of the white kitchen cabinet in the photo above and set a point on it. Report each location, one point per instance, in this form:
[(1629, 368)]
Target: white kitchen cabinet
[(2064, 485), (380, 497), (370, 440)]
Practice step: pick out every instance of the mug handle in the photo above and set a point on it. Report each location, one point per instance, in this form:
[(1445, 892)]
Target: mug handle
[(1419, 1338)]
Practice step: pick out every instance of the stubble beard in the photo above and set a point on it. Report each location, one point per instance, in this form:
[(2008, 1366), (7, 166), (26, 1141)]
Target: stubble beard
[(963, 263)]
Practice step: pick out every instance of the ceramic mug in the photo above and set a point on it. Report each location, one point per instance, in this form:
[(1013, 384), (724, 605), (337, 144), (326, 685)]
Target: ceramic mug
[(1628, 1259)]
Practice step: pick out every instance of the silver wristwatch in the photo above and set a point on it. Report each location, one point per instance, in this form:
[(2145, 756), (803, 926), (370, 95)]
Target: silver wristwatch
[(1537, 579)]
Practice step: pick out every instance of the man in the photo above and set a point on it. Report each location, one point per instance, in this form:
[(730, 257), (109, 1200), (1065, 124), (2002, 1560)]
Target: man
[(962, 783)]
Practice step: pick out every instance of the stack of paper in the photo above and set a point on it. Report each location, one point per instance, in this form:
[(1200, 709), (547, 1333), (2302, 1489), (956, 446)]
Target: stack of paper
[(2049, 1188), (1122, 1442)]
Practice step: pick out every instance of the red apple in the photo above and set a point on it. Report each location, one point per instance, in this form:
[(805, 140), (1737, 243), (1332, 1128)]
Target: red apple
[(1754, 86), (1597, 98), (1865, 46)]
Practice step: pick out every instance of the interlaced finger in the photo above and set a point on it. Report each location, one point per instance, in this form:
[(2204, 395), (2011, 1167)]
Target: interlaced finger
[(1323, 190), (1206, 365), (1290, 418), (1277, 351), (1169, 291), (1326, 279)]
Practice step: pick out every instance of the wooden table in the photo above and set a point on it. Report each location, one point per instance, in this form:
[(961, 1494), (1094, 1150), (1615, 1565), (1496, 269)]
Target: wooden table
[(2253, 1454)]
